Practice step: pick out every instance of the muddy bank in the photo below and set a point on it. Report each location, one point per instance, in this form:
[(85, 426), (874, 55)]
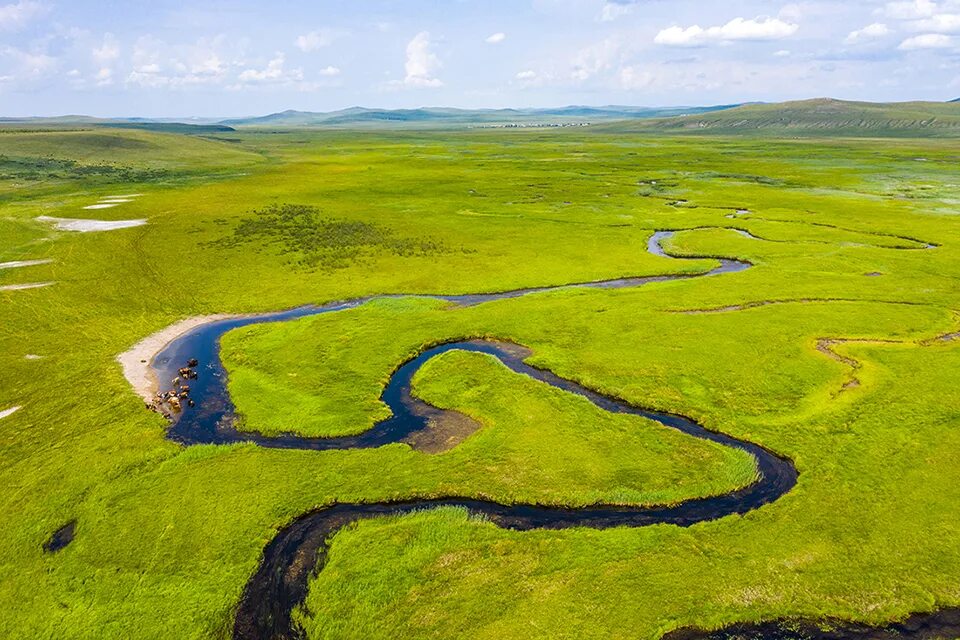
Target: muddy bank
[(137, 359), (85, 226), (17, 264), (24, 286), (281, 582)]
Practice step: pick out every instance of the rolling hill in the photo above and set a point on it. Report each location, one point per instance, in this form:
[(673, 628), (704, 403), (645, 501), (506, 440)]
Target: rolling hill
[(164, 125), (449, 116), (822, 116), (818, 117)]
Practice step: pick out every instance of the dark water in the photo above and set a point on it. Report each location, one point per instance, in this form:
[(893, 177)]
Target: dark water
[(211, 421), (60, 538), (299, 550), (281, 583), (939, 625)]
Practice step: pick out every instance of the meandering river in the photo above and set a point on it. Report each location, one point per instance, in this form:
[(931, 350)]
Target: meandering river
[(281, 581)]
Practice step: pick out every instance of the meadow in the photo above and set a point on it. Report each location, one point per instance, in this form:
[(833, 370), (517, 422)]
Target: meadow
[(854, 243)]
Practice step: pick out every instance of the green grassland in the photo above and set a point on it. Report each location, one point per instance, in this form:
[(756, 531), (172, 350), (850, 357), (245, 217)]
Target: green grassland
[(822, 117), (167, 536)]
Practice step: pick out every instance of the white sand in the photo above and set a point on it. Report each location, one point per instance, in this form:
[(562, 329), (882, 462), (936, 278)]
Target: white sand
[(28, 285), (106, 205), (136, 360), (8, 412), (83, 226), (23, 263), (32, 356)]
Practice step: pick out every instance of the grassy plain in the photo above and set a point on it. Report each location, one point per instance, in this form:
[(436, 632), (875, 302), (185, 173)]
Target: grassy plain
[(166, 537), (821, 117)]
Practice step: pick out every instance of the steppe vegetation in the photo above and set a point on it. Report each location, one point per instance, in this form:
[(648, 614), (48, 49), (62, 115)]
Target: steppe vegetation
[(855, 242)]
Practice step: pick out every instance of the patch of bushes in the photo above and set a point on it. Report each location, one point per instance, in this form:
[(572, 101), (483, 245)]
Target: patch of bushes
[(320, 242), (745, 177), (27, 168)]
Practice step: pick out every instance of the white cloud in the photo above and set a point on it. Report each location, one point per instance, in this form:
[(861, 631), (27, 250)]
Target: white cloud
[(29, 64), (315, 40), (909, 9), (16, 16), (496, 38), (613, 9), (927, 41), (274, 72), (147, 71), (422, 63), (869, 32), (925, 16), (212, 61), (528, 78), (634, 78), (108, 51), (791, 13), (104, 77), (155, 63), (783, 53), (597, 58), (737, 29), (206, 64), (148, 77), (939, 23)]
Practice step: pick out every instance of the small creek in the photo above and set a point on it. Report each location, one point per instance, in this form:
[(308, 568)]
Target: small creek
[(298, 551)]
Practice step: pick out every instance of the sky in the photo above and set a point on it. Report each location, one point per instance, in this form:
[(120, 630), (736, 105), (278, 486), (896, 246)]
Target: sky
[(170, 58)]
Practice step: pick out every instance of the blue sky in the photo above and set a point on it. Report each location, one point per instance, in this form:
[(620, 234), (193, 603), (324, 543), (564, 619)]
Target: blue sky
[(175, 58)]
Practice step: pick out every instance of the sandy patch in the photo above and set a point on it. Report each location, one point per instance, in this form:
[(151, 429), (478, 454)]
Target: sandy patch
[(84, 226), (105, 205), (27, 285), (23, 263), (32, 356), (444, 430), (136, 360), (8, 412)]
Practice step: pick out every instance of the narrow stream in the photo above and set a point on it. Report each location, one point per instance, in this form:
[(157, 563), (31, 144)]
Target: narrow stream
[(299, 550)]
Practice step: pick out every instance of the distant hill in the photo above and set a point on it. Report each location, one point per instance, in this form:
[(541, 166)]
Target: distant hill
[(822, 116), (448, 116), (819, 117), (163, 125), (171, 127)]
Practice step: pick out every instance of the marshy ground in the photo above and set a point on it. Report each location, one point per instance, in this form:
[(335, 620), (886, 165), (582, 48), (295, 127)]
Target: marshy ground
[(855, 274)]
